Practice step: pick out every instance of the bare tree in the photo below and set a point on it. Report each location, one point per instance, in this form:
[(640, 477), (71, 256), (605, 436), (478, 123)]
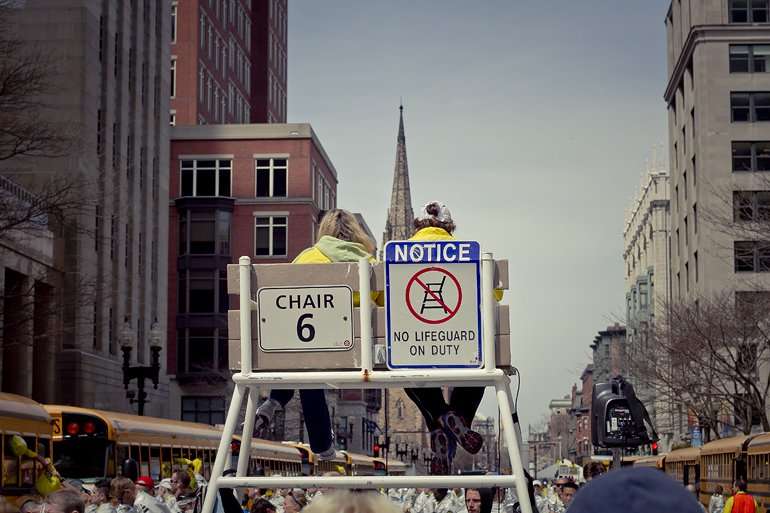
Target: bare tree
[(25, 75), (712, 356)]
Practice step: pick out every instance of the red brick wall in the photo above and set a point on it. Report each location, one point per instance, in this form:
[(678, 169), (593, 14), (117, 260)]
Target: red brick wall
[(301, 213)]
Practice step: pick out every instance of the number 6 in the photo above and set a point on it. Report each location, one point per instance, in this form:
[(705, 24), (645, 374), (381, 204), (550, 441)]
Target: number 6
[(302, 328)]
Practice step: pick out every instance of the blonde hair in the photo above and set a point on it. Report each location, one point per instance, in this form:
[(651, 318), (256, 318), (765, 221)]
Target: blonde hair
[(343, 225), (348, 502)]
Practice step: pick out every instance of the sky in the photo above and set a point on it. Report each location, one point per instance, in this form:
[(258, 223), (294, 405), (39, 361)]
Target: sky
[(531, 120)]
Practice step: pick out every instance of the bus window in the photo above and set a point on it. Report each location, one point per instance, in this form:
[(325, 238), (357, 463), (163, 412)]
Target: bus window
[(144, 466), (28, 465), (10, 464), (155, 463), (122, 455), (207, 464), (167, 464), (176, 453)]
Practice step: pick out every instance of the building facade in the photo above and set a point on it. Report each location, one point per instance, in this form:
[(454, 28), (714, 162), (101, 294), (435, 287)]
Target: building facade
[(228, 61), (609, 353), (254, 190), (646, 257), (111, 70), (719, 141)]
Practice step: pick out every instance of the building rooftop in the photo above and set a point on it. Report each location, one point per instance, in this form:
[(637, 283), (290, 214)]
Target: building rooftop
[(251, 131)]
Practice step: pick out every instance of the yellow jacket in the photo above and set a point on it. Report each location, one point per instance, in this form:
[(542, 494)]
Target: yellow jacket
[(432, 233), (329, 249)]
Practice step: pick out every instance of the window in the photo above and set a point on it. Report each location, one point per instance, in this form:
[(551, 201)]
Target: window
[(748, 11), (751, 206), (208, 93), (172, 118), (695, 218), (270, 236), (697, 271), (750, 107), (694, 172), (203, 31), (202, 291), (204, 232), (749, 58), (684, 184), (206, 177), (271, 177), (207, 410), (201, 85), (751, 156), (173, 77), (173, 22), (751, 256)]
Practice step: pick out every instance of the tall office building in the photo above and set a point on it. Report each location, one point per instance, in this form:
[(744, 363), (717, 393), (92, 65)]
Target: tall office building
[(109, 62), (718, 98), (228, 61)]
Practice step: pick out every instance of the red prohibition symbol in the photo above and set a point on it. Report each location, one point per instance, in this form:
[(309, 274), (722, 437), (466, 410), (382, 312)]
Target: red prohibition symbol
[(433, 297)]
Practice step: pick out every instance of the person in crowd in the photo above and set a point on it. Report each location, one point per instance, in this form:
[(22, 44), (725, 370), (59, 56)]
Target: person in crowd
[(294, 501), (145, 502), (717, 500), (261, 505), (64, 501), (228, 502), (741, 501), (349, 502), (122, 494), (449, 424), (593, 469), (634, 490), (479, 500), (568, 491), (164, 491), (424, 502), (445, 501), (340, 239), (180, 481), (538, 489)]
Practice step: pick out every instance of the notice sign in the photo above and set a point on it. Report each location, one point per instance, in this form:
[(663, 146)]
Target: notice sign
[(433, 304), (304, 319)]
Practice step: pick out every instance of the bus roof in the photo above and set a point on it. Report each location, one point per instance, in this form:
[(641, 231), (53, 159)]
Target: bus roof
[(759, 444), (650, 461), (687, 454), (358, 458), (734, 445), (274, 450), (127, 428), (23, 414)]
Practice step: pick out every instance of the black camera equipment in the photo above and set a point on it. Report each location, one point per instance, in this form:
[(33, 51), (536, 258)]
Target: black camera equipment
[(618, 417)]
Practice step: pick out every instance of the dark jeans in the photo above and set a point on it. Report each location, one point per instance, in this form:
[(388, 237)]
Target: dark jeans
[(463, 400), (319, 425)]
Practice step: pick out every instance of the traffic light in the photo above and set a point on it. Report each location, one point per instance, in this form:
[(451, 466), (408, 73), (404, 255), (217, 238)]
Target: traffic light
[(376, 450), (654, 448)]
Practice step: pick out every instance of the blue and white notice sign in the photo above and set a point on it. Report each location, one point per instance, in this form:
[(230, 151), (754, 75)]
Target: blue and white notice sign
[(433, 304)]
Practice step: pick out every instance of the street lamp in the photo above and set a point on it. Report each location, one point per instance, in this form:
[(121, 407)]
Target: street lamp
[(140, 373)]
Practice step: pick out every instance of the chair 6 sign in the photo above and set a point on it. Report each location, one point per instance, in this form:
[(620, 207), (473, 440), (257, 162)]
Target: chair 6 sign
[(301, 319), (432, 300)]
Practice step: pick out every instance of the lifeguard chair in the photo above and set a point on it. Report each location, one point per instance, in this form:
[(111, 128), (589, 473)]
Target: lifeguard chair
[(312, 312)]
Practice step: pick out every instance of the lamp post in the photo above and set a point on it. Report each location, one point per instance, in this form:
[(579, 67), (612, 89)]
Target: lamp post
[(140, 373)]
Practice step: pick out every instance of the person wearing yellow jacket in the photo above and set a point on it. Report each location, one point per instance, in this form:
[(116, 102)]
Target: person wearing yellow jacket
[(340, 239), (449, 424)]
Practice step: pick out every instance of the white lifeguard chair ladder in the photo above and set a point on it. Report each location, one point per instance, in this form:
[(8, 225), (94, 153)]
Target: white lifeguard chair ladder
[(248, 380)]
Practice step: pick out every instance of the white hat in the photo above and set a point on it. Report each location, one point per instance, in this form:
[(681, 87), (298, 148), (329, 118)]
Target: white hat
[(536, 483), (444, 215), (165, 483)]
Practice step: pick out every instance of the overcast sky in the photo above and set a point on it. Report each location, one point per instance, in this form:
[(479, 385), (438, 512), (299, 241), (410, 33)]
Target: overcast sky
[(531, 120)]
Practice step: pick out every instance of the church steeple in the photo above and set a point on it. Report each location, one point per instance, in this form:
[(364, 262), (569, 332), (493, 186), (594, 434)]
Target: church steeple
[(400, 214)]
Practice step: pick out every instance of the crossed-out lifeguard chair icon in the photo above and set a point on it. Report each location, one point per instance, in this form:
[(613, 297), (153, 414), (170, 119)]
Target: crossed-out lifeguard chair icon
[(334, 347)]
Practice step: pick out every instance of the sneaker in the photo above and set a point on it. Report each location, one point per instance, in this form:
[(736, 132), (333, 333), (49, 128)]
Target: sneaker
[(441, 462), (328, 454), (265, 413), (470, 440)]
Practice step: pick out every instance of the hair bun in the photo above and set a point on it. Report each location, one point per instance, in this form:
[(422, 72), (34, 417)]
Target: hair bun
[(433, 208)]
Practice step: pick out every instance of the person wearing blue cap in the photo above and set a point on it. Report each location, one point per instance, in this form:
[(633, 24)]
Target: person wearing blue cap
[(634, 490)]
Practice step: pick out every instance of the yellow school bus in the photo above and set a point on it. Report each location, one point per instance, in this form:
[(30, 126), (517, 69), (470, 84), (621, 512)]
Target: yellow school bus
[(91, 444), (684, 465), (26, 418), (359, 464)]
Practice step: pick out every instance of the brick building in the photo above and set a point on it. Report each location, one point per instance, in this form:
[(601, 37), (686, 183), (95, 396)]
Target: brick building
[(228, 61), (253, 190)]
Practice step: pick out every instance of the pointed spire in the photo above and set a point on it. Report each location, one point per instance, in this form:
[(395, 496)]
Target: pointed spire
[(400, 214)]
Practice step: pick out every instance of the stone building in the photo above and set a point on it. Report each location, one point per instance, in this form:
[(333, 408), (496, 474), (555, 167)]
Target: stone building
[(110, 62), (609, 352)]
